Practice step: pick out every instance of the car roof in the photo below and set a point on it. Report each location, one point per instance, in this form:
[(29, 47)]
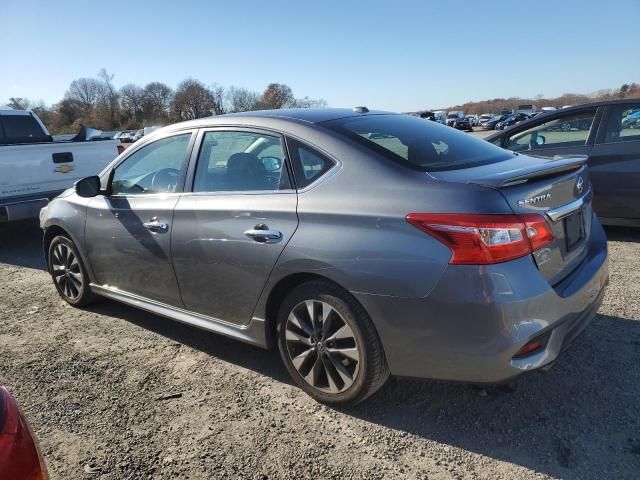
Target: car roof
[(600, 103), (10, 111), (296, 115)]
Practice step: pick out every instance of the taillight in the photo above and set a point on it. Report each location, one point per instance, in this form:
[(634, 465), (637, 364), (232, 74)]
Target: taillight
[(538, 230), (480, 239), (120, 149), (19, 454)]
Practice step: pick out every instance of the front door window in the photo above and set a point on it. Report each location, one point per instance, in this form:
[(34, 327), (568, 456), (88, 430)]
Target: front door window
[(155, 168)]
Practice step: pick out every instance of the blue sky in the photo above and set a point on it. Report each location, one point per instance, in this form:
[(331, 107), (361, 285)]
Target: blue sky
[(394, 55)]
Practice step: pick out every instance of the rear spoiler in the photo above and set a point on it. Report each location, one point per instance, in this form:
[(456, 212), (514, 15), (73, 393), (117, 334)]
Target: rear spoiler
[(520, 169), (562, 164)]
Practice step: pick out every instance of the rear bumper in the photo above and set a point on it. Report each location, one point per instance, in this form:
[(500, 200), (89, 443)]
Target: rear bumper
[(23, 208), (469, 327)]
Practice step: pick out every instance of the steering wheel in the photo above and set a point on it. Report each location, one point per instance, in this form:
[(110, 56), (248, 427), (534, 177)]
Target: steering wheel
[(273, 182), (165, 180)]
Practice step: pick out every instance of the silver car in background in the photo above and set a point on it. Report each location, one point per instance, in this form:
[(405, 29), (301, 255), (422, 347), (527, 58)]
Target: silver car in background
[(359, 243)]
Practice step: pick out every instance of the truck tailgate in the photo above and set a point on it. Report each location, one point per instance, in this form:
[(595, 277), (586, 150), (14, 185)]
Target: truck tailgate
[(43, 168)]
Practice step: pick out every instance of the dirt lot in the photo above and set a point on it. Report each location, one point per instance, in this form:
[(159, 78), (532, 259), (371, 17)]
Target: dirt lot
[(125, 394)]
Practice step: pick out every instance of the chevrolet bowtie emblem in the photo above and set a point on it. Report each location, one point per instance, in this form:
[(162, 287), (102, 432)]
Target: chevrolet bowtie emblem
[(64, 169)]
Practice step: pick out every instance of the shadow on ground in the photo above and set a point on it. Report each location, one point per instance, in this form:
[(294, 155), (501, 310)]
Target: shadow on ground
[(264, 362), (21, 244), (623, 234)]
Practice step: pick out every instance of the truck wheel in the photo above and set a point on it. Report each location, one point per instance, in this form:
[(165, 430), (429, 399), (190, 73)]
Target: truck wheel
[(329, 344), (68, 272)]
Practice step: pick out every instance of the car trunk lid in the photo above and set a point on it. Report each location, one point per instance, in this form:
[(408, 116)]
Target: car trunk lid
[(557, 188)]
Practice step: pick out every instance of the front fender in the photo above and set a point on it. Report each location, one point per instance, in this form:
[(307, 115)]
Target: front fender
[(68, 214)]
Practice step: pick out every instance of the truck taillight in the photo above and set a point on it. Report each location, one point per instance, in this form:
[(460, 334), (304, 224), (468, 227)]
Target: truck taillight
[(481, 239)]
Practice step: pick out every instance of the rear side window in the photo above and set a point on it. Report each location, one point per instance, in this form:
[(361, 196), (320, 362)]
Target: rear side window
[(417, 143), (623, 124), (570, 130), (22, 129), (308, 163)]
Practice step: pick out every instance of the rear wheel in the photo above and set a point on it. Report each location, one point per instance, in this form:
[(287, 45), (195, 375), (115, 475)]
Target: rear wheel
[(68, 272), (329, 344)]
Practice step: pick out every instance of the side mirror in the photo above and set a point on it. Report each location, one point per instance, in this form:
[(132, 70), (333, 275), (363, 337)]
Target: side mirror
[(271, 164), (88, 187), (540, 140)]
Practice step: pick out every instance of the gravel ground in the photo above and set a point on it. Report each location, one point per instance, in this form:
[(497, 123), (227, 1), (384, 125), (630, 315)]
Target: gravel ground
[(125, 395)]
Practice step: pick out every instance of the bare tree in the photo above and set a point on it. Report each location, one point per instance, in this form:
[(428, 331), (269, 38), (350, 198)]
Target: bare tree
[(110, 95), (157, 102), (85, 93), (19, 103), (307, 102), (277, 95), (132, 98), (192, 100), (217, 94), (241, 100)]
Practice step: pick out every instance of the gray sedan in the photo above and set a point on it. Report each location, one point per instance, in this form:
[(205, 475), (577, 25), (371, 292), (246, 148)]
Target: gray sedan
[(361, 244)]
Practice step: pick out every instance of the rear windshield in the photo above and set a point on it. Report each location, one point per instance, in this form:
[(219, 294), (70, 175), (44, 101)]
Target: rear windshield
[(22, 129), (419, 144)]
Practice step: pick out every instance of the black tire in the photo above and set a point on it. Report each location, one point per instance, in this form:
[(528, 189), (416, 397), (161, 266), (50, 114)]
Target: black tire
[(369, 372), (68, 273)]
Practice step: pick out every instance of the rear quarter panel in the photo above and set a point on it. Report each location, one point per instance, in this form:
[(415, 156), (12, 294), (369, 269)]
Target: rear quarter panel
[(353, 227)]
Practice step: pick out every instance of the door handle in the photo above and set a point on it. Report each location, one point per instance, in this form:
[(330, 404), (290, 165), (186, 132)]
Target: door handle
[(62, 157), (261, 234), (155, 226)]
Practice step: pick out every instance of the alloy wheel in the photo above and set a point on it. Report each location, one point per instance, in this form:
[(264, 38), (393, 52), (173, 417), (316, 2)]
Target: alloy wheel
[(66, 271), (322, 346)]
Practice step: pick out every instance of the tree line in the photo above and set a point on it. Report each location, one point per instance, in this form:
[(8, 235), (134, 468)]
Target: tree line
[(98, 103), (496, 105)]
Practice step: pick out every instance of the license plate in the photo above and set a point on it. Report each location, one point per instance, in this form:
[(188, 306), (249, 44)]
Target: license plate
[(574, 230)]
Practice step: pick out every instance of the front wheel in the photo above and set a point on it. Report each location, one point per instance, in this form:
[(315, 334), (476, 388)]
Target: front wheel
[(329, 344), (68, 272)]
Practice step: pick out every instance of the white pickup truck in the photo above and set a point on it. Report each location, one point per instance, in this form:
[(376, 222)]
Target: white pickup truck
[(34, 168)]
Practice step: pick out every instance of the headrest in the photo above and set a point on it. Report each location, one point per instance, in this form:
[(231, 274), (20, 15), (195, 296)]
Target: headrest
[(244, 163)]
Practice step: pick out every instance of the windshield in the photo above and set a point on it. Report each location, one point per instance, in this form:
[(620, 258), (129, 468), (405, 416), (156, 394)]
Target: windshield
[(420, 145), (452, 115)]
